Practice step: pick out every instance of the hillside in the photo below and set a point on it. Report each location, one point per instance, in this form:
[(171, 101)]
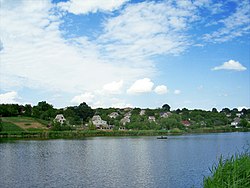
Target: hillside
[(22, 124)]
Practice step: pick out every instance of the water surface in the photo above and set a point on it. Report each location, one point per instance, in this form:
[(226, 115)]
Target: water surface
[(115, 162)]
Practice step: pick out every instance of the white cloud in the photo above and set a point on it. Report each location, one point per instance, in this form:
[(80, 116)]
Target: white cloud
[(177, 91), (113, 87), (235, 25), (131, 34), (85, 97), (9, 98), (144, 85), (88, 6), (161, 89), (36, 55), (230, 65)]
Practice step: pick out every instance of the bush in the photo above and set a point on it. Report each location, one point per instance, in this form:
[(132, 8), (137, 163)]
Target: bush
[(233, 172)]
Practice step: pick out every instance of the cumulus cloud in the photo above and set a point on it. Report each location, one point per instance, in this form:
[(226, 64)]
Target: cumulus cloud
[(113, 87), (85, 97), (9, 98), (90, 6), (144, 85), (230, 65), (161, 89), (35, 51), (177, 91)]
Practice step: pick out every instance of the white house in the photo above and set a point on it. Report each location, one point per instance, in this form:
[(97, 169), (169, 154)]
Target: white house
[(142, 112), (125, 120), (151, 118), (98, 122), (165, 114), (235, 122), (60, 118), (113, 115)]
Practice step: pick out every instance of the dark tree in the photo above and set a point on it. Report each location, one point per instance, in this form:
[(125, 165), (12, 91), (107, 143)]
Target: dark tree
[(84, 111), (214, 110), (166, 107)]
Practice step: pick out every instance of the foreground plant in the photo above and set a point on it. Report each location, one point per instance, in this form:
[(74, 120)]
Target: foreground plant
[(231, 173)]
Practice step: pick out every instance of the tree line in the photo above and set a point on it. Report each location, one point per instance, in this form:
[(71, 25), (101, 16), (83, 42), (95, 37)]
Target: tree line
[(82, 114)]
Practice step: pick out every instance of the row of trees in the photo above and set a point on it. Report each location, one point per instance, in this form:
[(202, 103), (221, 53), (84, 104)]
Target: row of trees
[(81, 114)]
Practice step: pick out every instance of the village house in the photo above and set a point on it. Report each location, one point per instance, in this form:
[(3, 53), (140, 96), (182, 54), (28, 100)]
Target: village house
[(125, 120), (113, 115), (151, 118), (235, 122), (165, 114), (99, 123), (186, 123), (60, 118), (142, 112)]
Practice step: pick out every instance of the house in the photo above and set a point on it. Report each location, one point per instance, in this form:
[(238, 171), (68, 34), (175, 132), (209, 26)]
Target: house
[(125, 120), (235, 122), (186, 123), (128, 114), (113, 115), (151, 118), (142, 112), (60, 118), (127, 109), (165, 114), (98, 122)]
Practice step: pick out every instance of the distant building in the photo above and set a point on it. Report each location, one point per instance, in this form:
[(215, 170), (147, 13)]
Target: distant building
[(186, 123), (165, 114), (125, 120), (113, 115), (235, 122), (60, 118), (142, 112), (151, 118), (98, 122)]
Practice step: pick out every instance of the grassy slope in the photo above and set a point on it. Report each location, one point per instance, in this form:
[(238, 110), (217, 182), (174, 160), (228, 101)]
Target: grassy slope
[(22, 124)]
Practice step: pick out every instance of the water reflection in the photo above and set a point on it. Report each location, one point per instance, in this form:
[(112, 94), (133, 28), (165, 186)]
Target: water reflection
[(180, 161)]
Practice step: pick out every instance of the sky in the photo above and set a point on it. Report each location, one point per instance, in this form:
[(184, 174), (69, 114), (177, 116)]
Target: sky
[(126, 53)]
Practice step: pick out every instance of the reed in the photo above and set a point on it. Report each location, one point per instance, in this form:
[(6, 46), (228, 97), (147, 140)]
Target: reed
[(231, 173)]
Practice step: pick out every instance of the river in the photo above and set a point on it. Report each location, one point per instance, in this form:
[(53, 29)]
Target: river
[(115, 162)]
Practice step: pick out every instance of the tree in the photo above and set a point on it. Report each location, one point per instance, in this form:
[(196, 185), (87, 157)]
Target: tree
[(226, 110), (28, 110), (166, 107), (44, 111), (1, 124), (214, 110), (84, 111)]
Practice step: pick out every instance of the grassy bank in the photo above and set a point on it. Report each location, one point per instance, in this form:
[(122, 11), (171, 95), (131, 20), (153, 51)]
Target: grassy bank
[(233, 172), (42, 133), (80, 134)]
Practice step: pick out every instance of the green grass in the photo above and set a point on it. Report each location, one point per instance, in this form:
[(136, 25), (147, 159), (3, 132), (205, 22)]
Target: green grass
[(10, 127), (230, 173)]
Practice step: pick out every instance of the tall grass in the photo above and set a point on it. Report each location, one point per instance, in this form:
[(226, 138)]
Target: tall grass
[(230, 173)]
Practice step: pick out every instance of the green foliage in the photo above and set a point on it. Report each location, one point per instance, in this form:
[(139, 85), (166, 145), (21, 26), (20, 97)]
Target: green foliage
[(44, 111), (84, 112), (56, 126), (231, 173), (1, 124), (166, 107), (9, 127), (243, 123)]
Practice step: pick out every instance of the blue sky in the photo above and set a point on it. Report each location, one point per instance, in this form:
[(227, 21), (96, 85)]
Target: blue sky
[(193, 54)]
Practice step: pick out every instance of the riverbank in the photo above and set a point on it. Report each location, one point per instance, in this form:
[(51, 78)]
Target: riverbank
[(96, 133)]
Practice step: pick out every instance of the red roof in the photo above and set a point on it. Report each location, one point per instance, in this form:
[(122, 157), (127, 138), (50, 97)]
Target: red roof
[(185, 122)]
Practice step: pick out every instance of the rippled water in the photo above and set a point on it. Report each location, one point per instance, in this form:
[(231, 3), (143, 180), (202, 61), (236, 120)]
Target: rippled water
[(180, 161)]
